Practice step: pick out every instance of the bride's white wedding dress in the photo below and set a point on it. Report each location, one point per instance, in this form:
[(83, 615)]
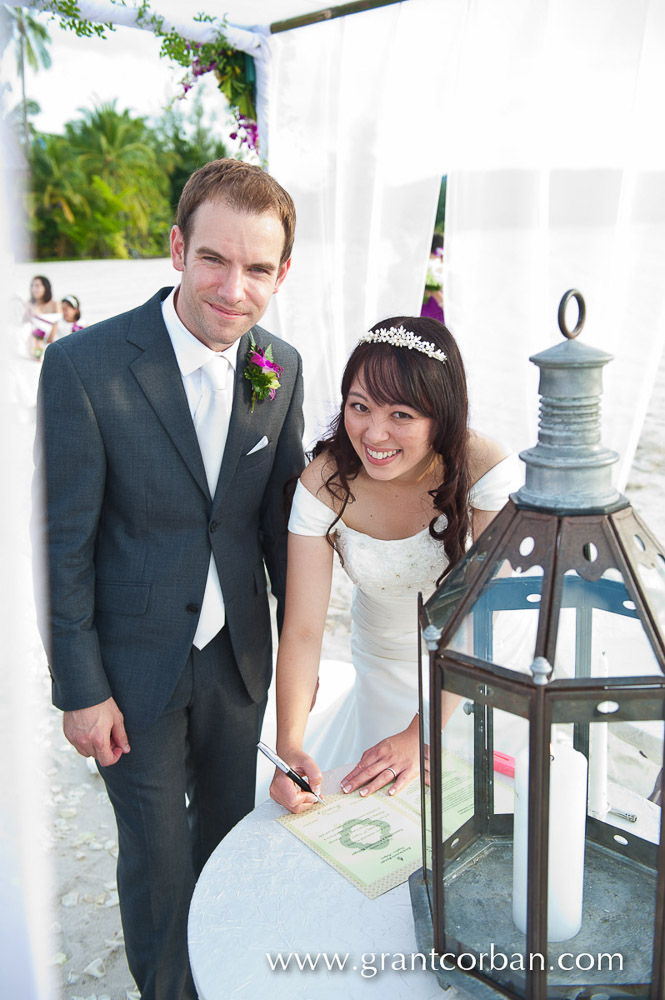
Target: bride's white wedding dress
[(387, 576)]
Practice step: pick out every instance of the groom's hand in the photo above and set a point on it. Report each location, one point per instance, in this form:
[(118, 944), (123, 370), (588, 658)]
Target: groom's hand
[(97, 731)]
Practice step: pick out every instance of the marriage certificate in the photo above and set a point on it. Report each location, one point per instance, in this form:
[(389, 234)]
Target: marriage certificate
[(375, 842)]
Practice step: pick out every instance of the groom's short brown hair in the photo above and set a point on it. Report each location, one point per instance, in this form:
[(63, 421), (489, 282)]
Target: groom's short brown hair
[(245, 188)]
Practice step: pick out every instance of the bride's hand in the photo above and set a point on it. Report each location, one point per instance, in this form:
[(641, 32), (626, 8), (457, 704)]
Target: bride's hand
[(396, 758), (287, 793)]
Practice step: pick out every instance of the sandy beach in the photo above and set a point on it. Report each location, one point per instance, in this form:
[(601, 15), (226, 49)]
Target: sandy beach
[(76, 835)]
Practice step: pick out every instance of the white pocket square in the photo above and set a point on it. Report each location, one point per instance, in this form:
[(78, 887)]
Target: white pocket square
[(259, 444)]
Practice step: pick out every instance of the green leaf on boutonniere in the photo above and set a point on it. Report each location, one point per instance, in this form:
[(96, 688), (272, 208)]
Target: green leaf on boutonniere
[(262, 372)]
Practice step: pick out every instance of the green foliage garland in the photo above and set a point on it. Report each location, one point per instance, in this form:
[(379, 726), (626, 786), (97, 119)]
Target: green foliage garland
[(233, 70), (69, 12)]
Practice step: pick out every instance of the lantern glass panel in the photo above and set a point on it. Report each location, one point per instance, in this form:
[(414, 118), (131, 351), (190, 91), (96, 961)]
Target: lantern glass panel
[(476, 826), (625, 761), (425, 793), (652, 579), (443, 603), (501, 625), (611, 954), (600, 633)]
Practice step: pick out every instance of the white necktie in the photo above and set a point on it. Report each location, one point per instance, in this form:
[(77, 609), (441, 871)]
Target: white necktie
[(211, 422)]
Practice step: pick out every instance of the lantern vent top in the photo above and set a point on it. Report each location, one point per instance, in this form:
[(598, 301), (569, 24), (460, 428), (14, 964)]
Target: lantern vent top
[(569, 471)]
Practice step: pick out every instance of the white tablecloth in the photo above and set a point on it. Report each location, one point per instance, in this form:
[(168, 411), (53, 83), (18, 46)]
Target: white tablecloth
[(263, 894)]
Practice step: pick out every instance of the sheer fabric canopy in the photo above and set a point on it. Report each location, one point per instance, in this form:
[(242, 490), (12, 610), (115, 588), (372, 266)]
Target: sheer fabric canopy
[(544, 118)]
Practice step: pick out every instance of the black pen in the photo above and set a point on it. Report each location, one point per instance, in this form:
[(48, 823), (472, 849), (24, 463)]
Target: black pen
[(288, 771)]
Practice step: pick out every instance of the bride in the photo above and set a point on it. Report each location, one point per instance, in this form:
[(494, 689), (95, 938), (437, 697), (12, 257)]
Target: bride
[(396, 489)]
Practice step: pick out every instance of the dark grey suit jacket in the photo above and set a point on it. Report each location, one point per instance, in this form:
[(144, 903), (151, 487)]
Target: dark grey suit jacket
[(131, 522)]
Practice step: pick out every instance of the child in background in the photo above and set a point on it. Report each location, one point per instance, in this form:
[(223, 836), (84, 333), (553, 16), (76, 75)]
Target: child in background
[(71, 314)]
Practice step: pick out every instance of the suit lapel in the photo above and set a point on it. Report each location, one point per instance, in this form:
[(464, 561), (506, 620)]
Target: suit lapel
[(156, 370)]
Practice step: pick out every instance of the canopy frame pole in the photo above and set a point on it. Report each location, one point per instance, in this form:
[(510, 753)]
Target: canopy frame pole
[(357, 7)]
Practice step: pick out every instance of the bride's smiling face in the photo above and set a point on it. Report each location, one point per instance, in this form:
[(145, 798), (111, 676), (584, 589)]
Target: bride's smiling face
[(392, 440)]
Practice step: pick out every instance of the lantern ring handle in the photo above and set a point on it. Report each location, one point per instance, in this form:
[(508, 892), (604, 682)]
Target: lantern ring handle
[(572, 293)]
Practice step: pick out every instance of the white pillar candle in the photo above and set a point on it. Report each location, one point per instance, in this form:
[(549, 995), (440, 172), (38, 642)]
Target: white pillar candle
[(565, 882), (598, 804)]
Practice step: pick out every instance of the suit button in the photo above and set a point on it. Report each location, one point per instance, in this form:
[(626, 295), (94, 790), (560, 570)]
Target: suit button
[(213, 527), (192, 609)]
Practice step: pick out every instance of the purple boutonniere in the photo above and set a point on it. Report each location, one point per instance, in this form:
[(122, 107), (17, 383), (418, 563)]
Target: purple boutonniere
[(262, 372)]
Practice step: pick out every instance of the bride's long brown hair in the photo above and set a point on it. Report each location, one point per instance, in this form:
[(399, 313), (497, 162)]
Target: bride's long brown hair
[(437, 389)]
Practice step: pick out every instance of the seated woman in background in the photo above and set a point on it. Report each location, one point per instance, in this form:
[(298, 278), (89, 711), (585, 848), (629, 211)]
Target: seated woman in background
[(41, 311), (71, 314), (397, 489), (41, 298)]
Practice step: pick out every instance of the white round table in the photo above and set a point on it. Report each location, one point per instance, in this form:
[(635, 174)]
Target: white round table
[(265, 903)]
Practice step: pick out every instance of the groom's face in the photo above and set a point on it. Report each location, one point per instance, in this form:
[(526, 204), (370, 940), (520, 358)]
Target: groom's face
[(231, 267)]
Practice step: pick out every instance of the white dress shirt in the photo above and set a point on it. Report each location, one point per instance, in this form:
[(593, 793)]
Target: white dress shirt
[(191, 356), (190, 353)]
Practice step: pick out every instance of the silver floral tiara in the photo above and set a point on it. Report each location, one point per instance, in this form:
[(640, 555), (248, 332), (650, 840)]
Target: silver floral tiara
[(397, 336)]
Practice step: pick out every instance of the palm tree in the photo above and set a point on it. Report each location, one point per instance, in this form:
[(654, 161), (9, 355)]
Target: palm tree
[(122, 152), (57, 178), (16, 116), (31, 40), (58, 193), (111, 143)]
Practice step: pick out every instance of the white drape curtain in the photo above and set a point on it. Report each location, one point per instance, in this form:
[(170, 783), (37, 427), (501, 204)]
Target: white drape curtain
[(26, 947), (350, 137), (545, 117), (556, 158)]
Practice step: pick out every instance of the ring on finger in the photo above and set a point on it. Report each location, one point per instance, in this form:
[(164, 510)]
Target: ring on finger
[(394, 772)]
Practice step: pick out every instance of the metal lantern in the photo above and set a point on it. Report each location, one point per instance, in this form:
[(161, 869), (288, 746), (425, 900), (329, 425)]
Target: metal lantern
[(543, 711)]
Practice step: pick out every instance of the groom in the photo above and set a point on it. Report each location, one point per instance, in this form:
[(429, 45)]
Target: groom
[(163, 469)]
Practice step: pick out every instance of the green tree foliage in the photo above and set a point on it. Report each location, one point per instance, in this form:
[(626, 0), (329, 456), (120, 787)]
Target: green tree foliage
[(440, 224), (123, 153), (56, 195), (190, 142), (109, 186), (31, 41)]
